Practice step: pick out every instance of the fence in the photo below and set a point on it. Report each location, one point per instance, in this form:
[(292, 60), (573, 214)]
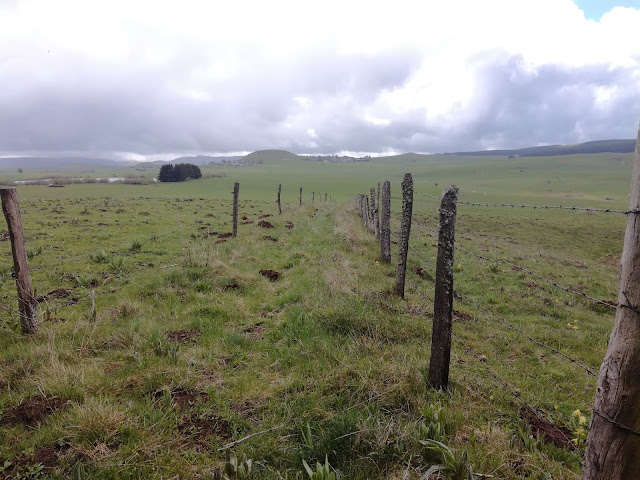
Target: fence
[(609, 423), (28, 298)]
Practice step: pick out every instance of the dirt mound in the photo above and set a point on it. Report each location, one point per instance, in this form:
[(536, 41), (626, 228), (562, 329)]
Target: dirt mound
[(220, 241), (184, 336), (198, 428), (32, 411), (270, 274), (265, 216), (420, 271), (255, 331), (288, 225), (550, 433), (47, 456), (57, 293), (230, 286), (270, 238), (265, 224), (182, 397), (463, 316), (225, 235)]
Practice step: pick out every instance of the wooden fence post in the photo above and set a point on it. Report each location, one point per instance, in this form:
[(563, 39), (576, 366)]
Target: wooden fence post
[(378, 212), (405, 230), (27, 304), (313, 197), (443, 303), (279, 206), (236, 189), (300, 196), (367, 212), (373, 214), (325, 197), (613, 442), (385, 227)]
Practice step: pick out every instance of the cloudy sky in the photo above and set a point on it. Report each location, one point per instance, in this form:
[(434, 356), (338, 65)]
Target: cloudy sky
[(155, 79)]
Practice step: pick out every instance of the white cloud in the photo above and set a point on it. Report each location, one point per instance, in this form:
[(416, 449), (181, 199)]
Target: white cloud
[(360, 75)]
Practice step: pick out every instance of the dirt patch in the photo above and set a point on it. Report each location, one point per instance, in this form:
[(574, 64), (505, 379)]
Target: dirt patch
[(245, 217), (32, 411), (198, 428), (270, 238), (270, 274), (182, 397), (255, 331), (532, 285), (264, 224), (57, 293), (420, 271), (248, 222), (47, 456), (144, 214), (120, 210), (225, 235), (100, 224), (265, 216), (230, 286), (222, 240), (209, 215), (288, 225), (463, 316), (184, 336), (550, 433)]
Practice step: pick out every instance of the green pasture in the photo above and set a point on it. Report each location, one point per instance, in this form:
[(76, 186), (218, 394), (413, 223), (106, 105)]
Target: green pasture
[(195, 358)]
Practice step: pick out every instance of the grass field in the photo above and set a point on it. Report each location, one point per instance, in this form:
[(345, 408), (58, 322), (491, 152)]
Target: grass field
[(194, 356)]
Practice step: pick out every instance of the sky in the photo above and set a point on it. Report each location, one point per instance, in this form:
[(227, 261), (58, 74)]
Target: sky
[(153, 79)]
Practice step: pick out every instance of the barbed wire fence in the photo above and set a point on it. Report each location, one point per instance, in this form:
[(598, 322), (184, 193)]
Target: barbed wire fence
[(426, 268)]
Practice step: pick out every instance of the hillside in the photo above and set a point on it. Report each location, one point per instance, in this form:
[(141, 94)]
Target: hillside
[(52, 164), (269, 156), (598, 146)]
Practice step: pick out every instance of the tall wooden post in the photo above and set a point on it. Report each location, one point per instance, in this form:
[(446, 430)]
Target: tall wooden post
[(373, 213), (279, 205), (27, 305), (236, 190), (405, 230), (385, 227), (300, 196), (613, 442), (378, 212), (443, 303), (325, 197), (313, 197)]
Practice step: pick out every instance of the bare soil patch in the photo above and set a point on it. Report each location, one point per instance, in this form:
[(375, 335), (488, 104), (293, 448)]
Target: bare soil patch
[(288, 225), (182, 397), (57, 293), (270, 274), (463, 316), (264, 224), (225, 235), (230, 286), (270, 238), (32, 411), (184, 336), (198, 428), (550, 433), (47, 456), (255, 331)]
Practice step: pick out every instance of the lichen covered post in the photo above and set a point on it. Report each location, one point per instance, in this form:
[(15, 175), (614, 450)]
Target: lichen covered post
[(279, 205), (236, 190), (27, 305), (443, 302), (385, 226), (405, 230)]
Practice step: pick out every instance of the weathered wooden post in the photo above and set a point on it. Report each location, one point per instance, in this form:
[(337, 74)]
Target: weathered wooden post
[(385, 227), (372, 213), (236, 189), (378, 212), (27, 305), (367, 212), (313, 197), (405, 230), (325, 197), (300, 196), (443, 303), (613, 442), (279, 205)]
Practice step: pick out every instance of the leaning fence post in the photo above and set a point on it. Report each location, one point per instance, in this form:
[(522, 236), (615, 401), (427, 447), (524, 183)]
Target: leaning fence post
[(300, 196), (614, 433), (279, 206), (236, 189), (405, 230), (443, 303), (27, 304), (385, 227)]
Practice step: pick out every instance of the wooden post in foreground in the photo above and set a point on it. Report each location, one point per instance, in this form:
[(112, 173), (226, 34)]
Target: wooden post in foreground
[(443, 303), (279, 205), (385, 227), (300, 196), (236, 189), (613, 442), (374, 212), (405, 230), (27, 304)]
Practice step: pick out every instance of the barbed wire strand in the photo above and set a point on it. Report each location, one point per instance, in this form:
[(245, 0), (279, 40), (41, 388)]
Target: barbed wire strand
[(537, 207)]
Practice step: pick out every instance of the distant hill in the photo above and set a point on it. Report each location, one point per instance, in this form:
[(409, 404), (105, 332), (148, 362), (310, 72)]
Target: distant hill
[(58, 163), (269, 156), (598, 146), (195, 160)]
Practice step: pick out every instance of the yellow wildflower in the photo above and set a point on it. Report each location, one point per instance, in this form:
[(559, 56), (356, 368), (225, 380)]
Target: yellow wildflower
[(582, 420), (577, 413)]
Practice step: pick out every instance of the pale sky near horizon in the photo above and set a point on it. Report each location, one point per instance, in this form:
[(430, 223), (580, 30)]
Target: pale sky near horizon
[(145, 79)]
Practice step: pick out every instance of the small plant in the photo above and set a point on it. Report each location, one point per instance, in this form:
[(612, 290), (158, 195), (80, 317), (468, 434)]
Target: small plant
[(579, 426), (5, 272), (33, 252), (530, 441), (494, 268), (234, 469), (322, 472), (118, 264), (135, 246), (307, 437), (456, 466), (164, 348), (201, 286), (99, 257)]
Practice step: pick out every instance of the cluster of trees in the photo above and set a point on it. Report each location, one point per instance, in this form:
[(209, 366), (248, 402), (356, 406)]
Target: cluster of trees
[(179, 172)]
